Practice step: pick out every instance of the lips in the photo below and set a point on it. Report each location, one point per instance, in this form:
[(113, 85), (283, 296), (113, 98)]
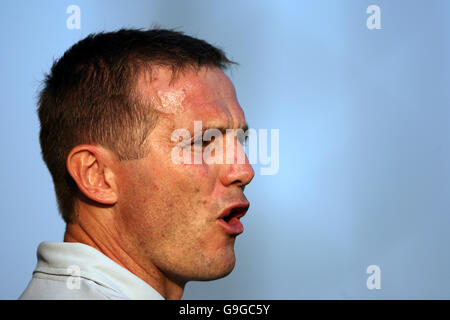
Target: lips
[(229, 219)]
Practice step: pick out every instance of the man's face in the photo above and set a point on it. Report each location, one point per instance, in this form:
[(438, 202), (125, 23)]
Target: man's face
[(170, 212)]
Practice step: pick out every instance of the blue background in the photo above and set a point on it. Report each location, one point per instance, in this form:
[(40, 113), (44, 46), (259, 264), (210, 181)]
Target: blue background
[(363, 115)]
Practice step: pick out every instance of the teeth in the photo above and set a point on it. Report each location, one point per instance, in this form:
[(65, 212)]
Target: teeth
[(234, 213), (229, 216)]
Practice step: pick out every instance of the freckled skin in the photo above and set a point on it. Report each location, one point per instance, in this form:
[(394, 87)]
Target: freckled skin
[(168, 212)]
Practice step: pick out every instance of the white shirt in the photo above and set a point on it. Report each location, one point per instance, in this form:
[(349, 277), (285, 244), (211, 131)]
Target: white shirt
[(77, 271)]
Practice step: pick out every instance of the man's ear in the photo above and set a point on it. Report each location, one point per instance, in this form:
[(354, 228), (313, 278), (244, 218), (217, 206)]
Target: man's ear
[(91, 167)]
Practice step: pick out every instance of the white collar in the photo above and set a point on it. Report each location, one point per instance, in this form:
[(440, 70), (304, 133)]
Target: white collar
[(56, 257)]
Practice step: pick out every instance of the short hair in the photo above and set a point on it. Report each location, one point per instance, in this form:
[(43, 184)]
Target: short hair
[(90, 96)]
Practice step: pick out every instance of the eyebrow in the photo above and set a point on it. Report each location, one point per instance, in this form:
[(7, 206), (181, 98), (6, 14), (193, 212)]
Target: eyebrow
[(223, 129)]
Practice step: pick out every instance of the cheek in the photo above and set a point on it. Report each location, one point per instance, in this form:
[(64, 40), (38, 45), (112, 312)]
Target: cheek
[(193, 179), (169, 195)]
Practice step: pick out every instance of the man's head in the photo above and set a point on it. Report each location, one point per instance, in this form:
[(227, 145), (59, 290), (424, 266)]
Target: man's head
[(108, 111)]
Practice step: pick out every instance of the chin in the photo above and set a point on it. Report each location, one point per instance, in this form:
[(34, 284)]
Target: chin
[(220, 267)]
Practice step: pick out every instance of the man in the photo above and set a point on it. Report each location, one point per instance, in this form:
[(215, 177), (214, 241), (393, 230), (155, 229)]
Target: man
[(140, 225)]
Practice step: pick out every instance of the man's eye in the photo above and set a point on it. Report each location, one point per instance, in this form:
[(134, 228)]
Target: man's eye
[(200, 143), (243, 140)]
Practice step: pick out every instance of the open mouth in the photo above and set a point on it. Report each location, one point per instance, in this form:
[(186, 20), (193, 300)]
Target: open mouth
[(230, 219)]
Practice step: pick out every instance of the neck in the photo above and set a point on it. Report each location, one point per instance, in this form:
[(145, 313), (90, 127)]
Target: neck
[(106, 237)]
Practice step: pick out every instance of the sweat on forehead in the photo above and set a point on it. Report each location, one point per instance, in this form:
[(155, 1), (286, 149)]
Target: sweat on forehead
[(170, 95), (156, 89)]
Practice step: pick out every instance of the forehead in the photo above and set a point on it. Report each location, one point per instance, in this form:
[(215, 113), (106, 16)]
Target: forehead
[(207, 95)]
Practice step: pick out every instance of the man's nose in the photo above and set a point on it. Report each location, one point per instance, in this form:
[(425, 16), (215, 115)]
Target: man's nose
[(238, 172)]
